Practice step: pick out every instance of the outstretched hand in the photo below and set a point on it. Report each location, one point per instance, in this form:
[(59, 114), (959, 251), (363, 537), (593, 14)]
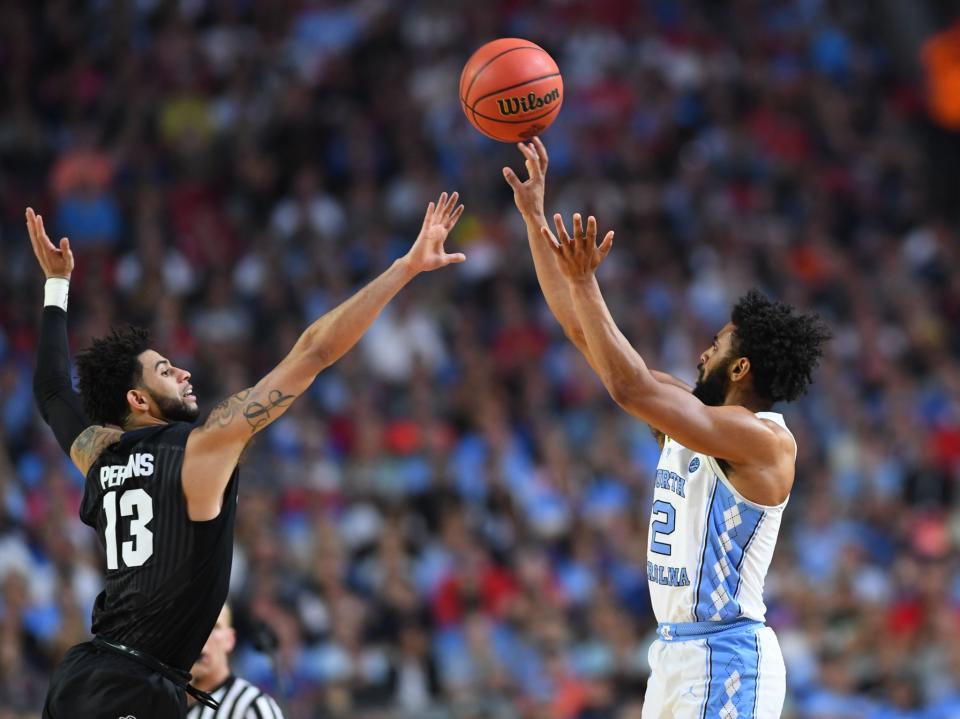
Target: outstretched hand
[(55, 262), (528, 195), (578, 257), (428, 252)]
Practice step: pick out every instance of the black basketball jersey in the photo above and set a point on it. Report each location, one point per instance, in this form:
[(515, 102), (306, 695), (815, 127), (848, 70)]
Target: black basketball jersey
[(167, 576)]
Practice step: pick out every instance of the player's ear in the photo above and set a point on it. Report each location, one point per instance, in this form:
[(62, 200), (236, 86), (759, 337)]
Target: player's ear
[(230, 640), (739, 369), (137, 400)]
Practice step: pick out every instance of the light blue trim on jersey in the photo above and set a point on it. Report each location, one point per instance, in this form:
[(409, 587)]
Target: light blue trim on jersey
[(688, 631), (756, 692), (756, 531), (704, 543), (734, 671), (730, 528), (709, 675)]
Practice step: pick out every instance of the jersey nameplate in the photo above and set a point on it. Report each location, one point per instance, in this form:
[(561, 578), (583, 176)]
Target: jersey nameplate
[(139, 465)]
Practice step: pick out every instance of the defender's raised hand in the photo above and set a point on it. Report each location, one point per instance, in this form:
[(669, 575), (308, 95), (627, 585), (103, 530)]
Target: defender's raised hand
[(580, 255), (55, 262), (529, 194), (427, 252)]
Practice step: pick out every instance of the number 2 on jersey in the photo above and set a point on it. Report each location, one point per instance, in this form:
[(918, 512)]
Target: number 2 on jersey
[(134, 503), (663, 526)]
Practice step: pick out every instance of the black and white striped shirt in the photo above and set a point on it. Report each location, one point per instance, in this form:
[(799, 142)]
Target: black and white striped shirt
[(239, 699)]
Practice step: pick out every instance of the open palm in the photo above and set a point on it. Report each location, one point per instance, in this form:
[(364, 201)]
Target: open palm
[(428, 252)]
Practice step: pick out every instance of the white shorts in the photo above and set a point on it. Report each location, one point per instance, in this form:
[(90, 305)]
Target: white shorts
[(735, 673)]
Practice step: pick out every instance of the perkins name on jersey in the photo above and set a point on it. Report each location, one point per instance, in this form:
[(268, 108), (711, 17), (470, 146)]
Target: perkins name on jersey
[(139, 465)]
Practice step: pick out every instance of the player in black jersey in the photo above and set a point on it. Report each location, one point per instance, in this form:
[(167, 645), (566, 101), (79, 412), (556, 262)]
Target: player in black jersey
[(161, 491)]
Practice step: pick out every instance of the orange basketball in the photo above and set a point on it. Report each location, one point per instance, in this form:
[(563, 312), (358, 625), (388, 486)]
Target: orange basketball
[(511, 89)]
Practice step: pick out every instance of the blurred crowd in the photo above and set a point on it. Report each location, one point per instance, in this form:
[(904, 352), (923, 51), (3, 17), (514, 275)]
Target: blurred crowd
[(453, 522)]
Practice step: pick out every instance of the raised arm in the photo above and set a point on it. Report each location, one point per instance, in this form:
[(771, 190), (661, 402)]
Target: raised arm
[(528, 196), (732, 433), (59, 404), (214, 448)]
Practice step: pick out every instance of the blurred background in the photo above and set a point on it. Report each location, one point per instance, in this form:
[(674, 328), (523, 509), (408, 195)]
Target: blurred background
[(458, 499)]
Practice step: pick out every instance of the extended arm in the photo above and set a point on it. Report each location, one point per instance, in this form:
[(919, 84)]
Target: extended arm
[(528, 196), (59, 404), (214, 448), (732, 433)]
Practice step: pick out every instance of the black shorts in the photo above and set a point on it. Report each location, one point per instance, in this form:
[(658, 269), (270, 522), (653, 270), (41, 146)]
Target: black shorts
[(96, 683)]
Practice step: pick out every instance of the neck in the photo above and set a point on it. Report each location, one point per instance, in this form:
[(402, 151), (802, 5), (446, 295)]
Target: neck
[(142, 420), (747, 400)]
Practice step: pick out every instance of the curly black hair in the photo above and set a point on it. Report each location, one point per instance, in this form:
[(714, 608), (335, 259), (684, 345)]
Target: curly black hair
[(108, 369), (783, 346)]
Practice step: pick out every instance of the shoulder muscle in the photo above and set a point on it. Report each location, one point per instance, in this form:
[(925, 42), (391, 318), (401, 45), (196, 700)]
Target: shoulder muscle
[(90, 444)]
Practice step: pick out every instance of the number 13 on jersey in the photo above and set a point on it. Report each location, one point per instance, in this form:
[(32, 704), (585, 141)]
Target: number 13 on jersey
[(135, 503)]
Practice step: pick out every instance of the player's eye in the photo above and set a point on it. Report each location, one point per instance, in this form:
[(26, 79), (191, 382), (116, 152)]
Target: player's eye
[(165, 373)]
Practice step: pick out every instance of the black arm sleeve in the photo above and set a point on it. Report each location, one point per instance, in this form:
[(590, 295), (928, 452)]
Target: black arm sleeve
[(59, 404)]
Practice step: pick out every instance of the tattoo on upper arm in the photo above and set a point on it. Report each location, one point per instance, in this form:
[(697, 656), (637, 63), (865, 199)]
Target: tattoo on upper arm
[(91, 442), (256, 413), (223, 414)]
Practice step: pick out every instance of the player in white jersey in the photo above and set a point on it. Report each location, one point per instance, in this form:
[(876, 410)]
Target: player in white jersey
[(724, 476)]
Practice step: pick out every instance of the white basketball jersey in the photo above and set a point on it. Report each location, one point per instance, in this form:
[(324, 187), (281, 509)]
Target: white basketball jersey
[(708, 548)]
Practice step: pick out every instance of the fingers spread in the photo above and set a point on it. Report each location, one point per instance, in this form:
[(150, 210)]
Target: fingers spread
[(541, 153), (455, 216), (511, 178), (561, 230), (532, 160), (428, 215), (450, 204), (606, 245), (551, 240), (592, 230)]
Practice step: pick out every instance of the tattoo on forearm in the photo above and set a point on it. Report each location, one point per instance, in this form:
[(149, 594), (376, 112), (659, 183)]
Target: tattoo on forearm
[(258, 414)]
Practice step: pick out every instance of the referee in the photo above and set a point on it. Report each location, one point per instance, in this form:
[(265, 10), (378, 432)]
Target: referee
[(239, 699)]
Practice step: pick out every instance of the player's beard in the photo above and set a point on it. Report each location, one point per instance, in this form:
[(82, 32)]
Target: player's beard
[(711, 389), (175, 409)]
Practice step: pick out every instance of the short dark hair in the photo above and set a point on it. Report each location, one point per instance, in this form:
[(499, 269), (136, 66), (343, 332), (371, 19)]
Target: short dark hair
[(782, 345), (108, 369)]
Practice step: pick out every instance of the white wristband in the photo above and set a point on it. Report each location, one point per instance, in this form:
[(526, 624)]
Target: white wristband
[(56, 292)]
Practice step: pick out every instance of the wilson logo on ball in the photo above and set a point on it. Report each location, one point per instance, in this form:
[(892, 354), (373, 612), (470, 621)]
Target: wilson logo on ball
[(526, 103), (511, 89)]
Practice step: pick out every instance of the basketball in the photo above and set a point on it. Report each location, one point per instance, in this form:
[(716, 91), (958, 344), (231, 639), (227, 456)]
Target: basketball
[(511, 89)]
